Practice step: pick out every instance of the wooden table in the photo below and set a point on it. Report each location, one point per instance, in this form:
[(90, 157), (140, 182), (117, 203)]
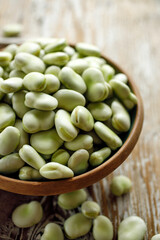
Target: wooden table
[(128, 32)]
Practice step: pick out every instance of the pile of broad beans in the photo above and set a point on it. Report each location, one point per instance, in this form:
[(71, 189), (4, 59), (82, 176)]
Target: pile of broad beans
[(86, 217), (63, 109)]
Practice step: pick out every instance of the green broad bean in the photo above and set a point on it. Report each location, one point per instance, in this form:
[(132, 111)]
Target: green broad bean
[(108, 72), (82, 141), (65, 129), (56, 46), (82, 118), (54, 170), (121, 77), (76, 55), (16, 73), (9, 140), (31, 157), (72, 200), (100, 111), (27, 214), (69, 99), (52, 231), (120, 119), (54, 70), (29, 47), (7, 116), (61, 156), (77, 226), (71, 80), (11, 85), (52, 84), (97, 90), (27, 63), (107, 135), (37, 120), (78, 161), (24, 137), (102, 228), (12, 30), (5, 75), (98, 157), (11, 48), (11, 163), (120, 185), (132, 228), (57, 58), (69, 51), (123, 92), (40, 101), (29, 173), (46, 142), (156, 237), (1, 71), (18, 105), (95, 60), (5, 58), (90, 209), (34, 81), (78, 65), (87, 49)]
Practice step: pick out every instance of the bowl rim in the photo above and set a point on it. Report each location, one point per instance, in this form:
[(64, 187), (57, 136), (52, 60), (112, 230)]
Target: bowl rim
[(54, 187)]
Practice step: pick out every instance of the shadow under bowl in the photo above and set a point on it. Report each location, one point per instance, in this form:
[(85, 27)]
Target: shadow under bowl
[(54, 187)]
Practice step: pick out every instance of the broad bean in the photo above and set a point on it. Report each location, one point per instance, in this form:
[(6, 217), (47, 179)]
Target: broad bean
[(82, 141), (108, 72), (120, 185), (5, 58), (82, 118), (9, 140), (61, 156), (57, 58), (37, 120), (90, 209), (27, 63), (65, 129), (69, 99), (54, 170), (107, 135), (27, 214), (97, 90), (71, 80), (98, 157), (12, 30), (7, 116), (11, 85), (34, 81), (52, 83), (87, 49), (40, 101), (100, 111), (31, 157), (18, 105), (132, 228), (29, 47), (52, 231), (16, 73), (77, 226), (78, 65), (120, 119), (29, 173), (102, 228), (156, 237), (11, 163), (78, 161), (55, 46), (72, 200), (54, 70), (24, 137), (46, 142)]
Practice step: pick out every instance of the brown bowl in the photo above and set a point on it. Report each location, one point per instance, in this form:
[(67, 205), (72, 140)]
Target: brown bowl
[(55, 187)]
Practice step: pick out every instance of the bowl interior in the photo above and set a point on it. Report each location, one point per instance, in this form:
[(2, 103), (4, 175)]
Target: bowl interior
[(48, 187)]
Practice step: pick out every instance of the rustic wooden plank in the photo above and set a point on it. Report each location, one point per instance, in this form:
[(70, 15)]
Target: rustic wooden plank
[(128, 32)]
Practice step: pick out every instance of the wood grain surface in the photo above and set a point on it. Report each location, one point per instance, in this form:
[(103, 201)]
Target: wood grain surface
[(128, 32)]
